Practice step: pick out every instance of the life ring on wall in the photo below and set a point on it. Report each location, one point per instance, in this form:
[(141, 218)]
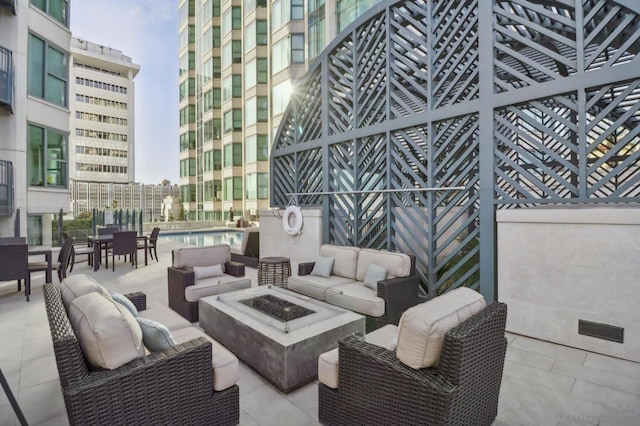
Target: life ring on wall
[(292, 228)]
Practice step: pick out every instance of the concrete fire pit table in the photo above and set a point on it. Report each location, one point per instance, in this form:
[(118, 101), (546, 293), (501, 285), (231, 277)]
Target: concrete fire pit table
[(277, 332)]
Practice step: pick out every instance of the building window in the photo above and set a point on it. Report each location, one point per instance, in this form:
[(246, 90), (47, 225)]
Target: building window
[(297, 10), (250, 111), (232, 87), (47, 72), (46, 157), (280, 95), (297, 48), (217, 69), (215, 4), (188, 167), (236, 51), (57, 9), (187, 141), (256, 110), (233, 155), (316, 38), (255, 71), (256, 148), (250, 36), (217, 159), (215, 31), (187, 88), (233, 188), (188, 115), (262, 109), (261, 32), (257, 186), (286, 52), (232, 19), (226, 55), (233, 120), (183, 64)]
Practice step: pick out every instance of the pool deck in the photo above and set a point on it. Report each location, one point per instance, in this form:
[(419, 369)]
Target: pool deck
[(543, 383)]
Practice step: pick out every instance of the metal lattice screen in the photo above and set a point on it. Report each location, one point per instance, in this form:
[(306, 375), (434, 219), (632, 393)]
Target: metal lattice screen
[(521, 102)]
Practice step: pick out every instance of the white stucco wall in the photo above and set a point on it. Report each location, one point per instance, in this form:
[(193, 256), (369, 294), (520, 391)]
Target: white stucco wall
[(559, 265), (301, 248)]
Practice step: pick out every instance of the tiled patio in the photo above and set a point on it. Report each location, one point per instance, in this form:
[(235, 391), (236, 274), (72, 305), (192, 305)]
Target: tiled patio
[(543, 384)]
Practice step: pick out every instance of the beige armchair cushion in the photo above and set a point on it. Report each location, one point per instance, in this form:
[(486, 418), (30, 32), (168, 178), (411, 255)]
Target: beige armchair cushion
[(216, 285), (421, 329), (202, 256), (108, 334), (345, 259), (77, 285), (356, 297), (396, 264)]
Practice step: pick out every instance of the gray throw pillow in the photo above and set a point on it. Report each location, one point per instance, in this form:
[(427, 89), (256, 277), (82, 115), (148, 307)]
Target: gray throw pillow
[(155, 336), (323, 267), (124, 301), (375, 273)]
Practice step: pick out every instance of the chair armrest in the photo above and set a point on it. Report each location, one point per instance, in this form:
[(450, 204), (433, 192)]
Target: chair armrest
[(179, 278), (235, 269), (186, 369), (139, 299), (399, 294), (305, 268)]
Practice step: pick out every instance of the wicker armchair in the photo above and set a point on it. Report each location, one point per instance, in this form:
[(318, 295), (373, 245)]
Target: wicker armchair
[(374, 387), (169, 387)]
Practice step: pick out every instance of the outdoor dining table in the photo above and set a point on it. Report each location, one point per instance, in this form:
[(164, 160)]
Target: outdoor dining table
[(100, 240)]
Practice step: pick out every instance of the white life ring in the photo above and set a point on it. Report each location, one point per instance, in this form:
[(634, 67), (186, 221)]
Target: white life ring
[(292, 229)]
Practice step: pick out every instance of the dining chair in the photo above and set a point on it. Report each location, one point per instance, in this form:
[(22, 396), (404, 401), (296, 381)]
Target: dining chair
[(124, 243), (151, 243), (14, 262), (60, 265), (78, 249)]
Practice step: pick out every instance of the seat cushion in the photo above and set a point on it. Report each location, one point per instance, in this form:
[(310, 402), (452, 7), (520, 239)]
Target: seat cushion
[(201, 256), (314, 286), (422, 328), (345, 259), (165, 315), (108, 334), (213, 286), (77, 285), (356, 297), (328, 366), (226, 368), (396, 264)]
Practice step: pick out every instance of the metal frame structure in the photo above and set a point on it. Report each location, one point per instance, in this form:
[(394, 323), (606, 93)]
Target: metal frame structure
[(521, 102)]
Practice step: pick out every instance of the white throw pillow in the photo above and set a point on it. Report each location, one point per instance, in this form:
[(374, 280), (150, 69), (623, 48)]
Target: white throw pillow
[(108, 334), (124, 301), (422, 328), (200, 272), (375, 273), (156, 336), (323, 267)]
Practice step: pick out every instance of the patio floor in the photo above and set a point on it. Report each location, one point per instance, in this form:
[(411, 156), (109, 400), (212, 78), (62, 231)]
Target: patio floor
[(543, 384)]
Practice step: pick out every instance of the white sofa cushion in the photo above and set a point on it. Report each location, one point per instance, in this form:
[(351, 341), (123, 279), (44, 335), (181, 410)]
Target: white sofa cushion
[(77, 285), (165, 315), (345, 259), (124, 301), (216, 285), (155, 335), (313, 286), (422, 327), (202, 256), (108, 334), (226, 368), (356, 297), (396, 264), (328, 365)]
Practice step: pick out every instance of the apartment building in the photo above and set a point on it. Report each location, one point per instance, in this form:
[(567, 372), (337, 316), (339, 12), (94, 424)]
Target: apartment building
[(239, 62), (35, 45), (102, 143)]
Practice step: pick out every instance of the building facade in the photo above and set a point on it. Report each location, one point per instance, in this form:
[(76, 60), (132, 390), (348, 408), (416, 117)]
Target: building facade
[(239, 63), (102, 143), (35, 45)]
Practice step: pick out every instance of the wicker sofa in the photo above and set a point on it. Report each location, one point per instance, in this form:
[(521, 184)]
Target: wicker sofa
[(174, 386), (186, 284), (375, 379), (345, 287)]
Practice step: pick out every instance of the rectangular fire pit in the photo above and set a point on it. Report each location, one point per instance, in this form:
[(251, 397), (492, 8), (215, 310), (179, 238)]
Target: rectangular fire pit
[(277, 332)]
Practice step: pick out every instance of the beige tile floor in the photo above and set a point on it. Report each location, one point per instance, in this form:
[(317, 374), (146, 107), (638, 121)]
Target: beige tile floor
[(544, 383)]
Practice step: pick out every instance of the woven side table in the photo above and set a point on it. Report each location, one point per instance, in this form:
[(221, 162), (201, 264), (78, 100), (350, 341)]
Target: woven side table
[(274, 271)]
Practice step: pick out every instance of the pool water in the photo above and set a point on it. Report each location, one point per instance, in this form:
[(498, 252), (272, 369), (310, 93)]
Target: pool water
[(207, 238)]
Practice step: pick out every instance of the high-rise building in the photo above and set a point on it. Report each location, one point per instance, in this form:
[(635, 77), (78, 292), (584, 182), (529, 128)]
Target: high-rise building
[(101, 145), (239, 61), (34, 119)]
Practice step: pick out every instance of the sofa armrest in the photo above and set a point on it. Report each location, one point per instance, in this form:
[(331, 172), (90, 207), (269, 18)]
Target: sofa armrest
[(305, 268), (235, 269), (185, 368), (139, 299), (399, 294)]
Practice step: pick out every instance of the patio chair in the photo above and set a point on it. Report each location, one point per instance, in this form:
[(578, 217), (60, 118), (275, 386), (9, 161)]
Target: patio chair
[(14, 265), (79, 248), (124, 243), (249, 252), (151, 244), (60, 265), (373, 386)]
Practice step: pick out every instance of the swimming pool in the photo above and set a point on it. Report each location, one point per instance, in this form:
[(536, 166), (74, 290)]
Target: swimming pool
[(207, 238)]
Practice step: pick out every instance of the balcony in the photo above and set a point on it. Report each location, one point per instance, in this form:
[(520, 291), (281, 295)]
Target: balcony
[(7, 206), (9, 4), (6, 79)]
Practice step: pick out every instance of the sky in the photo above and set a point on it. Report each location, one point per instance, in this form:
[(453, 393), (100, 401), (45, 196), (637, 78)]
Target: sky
[(147, 32)]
